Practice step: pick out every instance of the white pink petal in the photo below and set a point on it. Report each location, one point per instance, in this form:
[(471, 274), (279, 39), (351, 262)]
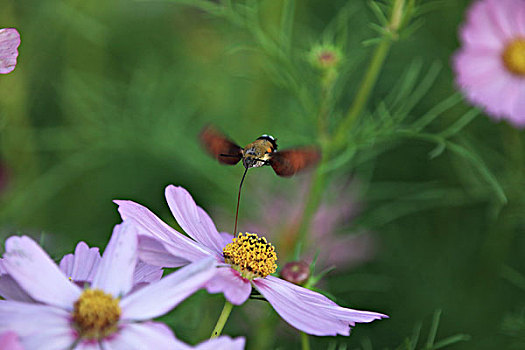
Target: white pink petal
[(228, 281), (160, 297), (9, 42), (82, 265), (115, 273), (309, 311), (149, 224), (193, 219), (37, 274), (140, 336)]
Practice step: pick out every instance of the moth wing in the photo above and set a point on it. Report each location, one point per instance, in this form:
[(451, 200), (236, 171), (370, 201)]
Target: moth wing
[(288, 162), (219, 146)]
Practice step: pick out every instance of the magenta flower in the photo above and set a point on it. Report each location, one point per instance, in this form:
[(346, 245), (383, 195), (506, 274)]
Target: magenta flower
[(108, 315), (9, 42), (9, 341), (248, 260), (490, 66)]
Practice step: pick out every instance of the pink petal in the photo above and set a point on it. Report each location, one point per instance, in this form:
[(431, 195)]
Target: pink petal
[(519, 20), (476, 67), (82, 265), (480, 30), (309, 311), (159, 297), (192, 218), (9, 42), (56, 337), (9, 289), (149, 224), (517, 111), (37, 274), (222, 343), (228, 238), (228, 281), (153, 252), (140, 336), (115, 272), (9, 341), (146, 273), (87, 345), (507, 96), (502, 14), (34, 320)]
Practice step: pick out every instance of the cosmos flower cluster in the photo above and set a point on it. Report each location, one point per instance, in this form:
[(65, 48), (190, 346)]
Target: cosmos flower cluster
[(89, 301)]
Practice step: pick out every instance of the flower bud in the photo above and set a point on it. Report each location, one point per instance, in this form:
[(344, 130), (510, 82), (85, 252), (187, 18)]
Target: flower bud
[(296, 272), (325, 57)]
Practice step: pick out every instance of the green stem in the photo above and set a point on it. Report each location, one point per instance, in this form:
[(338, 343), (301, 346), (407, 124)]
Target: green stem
[(325, 106), (331, 146), (312, 203), (305, 341), (226, 310), (372, 73)]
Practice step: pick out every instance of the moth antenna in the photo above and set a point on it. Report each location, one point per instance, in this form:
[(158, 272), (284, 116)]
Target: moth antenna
[(238, 201)]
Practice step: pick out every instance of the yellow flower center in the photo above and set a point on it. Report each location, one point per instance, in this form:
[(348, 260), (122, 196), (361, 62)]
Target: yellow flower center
[(96, 314), (514, 57), (251, 256)]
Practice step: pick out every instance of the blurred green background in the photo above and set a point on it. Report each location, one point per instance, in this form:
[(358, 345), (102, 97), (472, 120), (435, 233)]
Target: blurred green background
[(107, 101)]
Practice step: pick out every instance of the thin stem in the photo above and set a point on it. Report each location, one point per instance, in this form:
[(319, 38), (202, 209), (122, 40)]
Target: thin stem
[(226, 310), (305, 341), (325, 106), (372, 73), (312, 203)]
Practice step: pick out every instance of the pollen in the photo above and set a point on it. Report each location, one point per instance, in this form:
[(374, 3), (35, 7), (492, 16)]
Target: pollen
[(96, 314), (252, 256), (514, 57)]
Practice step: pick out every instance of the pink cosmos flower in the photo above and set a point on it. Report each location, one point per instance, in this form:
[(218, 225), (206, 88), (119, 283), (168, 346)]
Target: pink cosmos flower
[(108, 315), (9, 341), (82, 266), (490, 66), (79, 268), (246, 262), (280, 213), (9, 42)]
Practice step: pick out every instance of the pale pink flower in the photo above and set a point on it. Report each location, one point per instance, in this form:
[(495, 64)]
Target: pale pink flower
[(280, 213), (9, 341), (9, 42), (108, 315), (490, 65), (80, 268), (242, 269)]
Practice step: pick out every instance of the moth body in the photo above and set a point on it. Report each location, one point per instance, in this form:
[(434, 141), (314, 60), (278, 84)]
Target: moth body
[(259, 152)]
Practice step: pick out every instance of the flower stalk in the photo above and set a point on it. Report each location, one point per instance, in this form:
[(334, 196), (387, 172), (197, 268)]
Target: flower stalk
[(305, 341), (225, 313), (333, 144), (372, 73)]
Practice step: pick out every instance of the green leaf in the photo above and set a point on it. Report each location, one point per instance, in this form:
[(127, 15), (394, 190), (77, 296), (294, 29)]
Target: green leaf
[(433, 330)]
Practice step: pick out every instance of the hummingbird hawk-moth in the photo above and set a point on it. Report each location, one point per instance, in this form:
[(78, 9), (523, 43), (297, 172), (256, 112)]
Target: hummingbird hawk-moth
[(263, 151)]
